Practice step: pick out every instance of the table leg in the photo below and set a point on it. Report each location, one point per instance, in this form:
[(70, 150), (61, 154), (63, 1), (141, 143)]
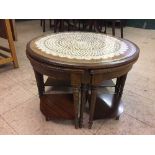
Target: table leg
[(118, 93), (83, 102), (92, 105), (40, 83)]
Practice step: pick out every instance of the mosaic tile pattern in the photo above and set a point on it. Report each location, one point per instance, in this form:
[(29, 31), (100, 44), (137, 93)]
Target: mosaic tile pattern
[(84, 46)]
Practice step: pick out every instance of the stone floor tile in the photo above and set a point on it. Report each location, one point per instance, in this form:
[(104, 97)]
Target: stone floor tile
[(12, 97), (125, 126), (5, 129)]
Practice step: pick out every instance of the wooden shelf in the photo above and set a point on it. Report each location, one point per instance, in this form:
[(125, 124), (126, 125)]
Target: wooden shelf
[(57, 106), (57, 83), (103, 108)]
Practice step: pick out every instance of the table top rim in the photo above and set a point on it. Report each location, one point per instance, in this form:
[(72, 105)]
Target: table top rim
[(60, 62)]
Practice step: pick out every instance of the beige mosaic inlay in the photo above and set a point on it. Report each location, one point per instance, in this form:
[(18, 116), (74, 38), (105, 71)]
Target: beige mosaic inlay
[(83, 46)]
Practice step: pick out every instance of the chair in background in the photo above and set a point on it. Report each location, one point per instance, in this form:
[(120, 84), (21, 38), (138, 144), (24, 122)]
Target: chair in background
[(43, 24), (113, 23), (7, 55)]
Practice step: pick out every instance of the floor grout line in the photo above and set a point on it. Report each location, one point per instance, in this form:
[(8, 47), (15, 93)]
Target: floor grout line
[(138, 95), (9, 124), (2, 115), (138, 119), (18, 105)]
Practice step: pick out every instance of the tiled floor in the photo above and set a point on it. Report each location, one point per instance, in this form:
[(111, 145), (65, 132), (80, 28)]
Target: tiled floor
[(19, 102)]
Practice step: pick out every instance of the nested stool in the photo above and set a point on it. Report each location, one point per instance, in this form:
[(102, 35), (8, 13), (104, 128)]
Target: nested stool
[(119, 69), (107, 105)]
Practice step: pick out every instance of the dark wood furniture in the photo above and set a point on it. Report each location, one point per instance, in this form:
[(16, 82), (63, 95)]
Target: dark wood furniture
[(114, 21), (43, 24), (84, 73), (103, 23), (69, 102), (7, 55), (89, 25)]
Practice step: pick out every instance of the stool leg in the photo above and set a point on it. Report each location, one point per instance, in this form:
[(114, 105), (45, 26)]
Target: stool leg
[(83, 102), (40, 83), (118, 93), (92, 105), (76, 91), (117, 85)]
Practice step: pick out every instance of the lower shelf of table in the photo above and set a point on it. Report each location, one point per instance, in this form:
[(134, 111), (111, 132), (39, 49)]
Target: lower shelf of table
[(103, 108), (60, 106), (57, 106)]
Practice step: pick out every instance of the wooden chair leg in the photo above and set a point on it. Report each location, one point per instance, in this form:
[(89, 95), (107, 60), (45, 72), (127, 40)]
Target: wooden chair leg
[(121, 27), (11, 43), (41, 22), (61, 25), (50, 23), (79, 25), (55, 25), (44, 22), (113, 27)]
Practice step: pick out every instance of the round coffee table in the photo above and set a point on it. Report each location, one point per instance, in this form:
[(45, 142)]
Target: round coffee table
[(86, 59)]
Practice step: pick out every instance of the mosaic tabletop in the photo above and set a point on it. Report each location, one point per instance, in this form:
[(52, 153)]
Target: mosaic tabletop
[(84, 46)]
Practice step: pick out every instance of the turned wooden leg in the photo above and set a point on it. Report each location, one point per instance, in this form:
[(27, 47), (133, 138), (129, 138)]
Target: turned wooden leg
[(92, 105), (76, 91), (83, 102), (118, 93), (40, 83)]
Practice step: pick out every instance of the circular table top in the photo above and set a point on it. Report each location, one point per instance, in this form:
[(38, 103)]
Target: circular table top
[(83, 49)]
